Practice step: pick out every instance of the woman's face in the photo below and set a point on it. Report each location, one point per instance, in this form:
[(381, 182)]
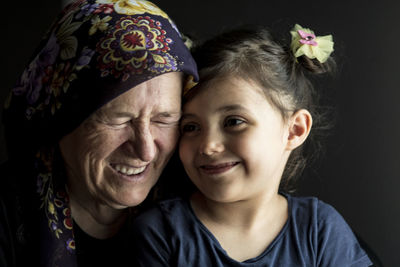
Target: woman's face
[(116, 156)]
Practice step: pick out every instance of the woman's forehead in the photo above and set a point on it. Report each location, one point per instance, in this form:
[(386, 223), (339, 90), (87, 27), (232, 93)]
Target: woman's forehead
[(160, 93)]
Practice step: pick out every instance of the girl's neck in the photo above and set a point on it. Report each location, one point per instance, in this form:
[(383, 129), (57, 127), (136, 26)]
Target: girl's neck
[(245, 213), (243, 228), (96, 219)]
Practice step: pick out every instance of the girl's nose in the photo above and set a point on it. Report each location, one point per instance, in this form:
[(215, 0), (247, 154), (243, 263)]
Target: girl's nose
[(211, 144)]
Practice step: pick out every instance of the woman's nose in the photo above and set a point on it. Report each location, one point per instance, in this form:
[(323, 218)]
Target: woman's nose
[(211, 143), (143, 143)]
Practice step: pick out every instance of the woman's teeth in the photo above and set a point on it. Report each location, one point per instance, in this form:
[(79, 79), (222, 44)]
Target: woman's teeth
[(129, 170)]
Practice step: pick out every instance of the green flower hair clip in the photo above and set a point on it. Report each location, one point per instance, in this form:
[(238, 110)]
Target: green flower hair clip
[(304, 42)]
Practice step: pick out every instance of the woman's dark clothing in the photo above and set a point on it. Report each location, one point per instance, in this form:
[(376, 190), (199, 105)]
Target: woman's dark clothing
[(19, 232), (95, 51), (96, 252)]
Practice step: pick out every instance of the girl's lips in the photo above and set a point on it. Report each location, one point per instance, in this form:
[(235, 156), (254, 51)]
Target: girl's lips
[(218, 168)]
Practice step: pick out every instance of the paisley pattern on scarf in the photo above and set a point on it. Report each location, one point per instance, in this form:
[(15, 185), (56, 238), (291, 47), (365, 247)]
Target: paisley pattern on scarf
[(133, 7), (136, 45), (49, 75), (132, 45), (54, 199)]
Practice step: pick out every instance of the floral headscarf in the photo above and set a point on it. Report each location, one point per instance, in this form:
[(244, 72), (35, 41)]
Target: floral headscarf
[(95, 51)]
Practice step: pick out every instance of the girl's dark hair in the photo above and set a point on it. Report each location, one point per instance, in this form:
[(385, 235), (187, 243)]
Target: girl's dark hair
[(251, 53)]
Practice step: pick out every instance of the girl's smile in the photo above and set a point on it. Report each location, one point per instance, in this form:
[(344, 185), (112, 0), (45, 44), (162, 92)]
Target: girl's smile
[(234, 142), (218, 168)]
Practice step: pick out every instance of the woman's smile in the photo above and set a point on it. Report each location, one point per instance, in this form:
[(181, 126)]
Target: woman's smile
[(130, 173)]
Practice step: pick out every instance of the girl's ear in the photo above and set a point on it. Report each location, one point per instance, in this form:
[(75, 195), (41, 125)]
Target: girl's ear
[(299, 127)]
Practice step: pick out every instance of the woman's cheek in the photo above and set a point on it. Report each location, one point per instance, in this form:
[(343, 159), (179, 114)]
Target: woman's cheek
[(166, 137)]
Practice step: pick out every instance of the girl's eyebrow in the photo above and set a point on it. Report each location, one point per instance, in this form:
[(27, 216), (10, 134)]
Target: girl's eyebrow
[(187, 115), (220, 109), (231, 108)]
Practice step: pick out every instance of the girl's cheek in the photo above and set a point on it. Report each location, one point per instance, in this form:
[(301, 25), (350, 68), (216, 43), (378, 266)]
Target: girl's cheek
[(185, 150)]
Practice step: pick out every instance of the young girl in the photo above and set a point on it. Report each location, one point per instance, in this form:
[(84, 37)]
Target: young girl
[(242, 128)]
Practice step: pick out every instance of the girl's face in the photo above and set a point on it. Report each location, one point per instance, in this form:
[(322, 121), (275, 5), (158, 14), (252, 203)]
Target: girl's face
[(234, 142)]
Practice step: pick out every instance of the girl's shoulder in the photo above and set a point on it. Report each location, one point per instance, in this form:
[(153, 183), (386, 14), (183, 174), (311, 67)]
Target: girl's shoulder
[(314, 209), (324, 227), (167, 212), (170, 206)]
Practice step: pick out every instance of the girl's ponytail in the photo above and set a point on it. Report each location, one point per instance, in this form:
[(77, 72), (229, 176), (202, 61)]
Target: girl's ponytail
[(313, 66), (312, 52)]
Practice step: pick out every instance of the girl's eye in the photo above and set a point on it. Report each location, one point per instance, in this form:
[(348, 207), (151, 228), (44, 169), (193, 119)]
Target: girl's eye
[(231, 122), (189, 127)]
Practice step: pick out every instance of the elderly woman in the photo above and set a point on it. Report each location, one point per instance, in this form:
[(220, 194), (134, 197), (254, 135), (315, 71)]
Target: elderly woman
[(90, 125)]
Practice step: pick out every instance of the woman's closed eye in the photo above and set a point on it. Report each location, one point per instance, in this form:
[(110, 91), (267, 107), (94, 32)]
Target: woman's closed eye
[(119, 124), (166, 122), (167, 119)]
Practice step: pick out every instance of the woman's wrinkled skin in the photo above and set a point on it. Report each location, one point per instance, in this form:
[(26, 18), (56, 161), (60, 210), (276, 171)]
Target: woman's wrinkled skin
[(115, 157)]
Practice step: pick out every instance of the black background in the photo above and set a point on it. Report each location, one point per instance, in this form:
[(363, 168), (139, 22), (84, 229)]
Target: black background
[(360, 173)]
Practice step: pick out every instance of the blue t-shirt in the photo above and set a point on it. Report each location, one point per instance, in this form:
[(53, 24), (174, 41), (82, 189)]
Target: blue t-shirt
[(315, 234)]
